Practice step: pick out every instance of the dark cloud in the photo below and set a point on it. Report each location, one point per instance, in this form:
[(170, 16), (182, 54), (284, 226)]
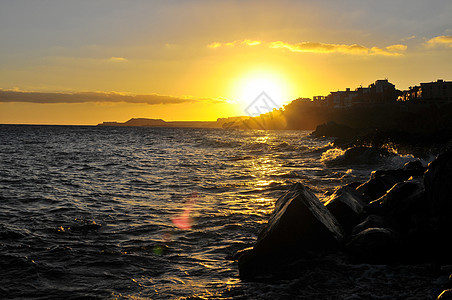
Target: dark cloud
[(36, 97)]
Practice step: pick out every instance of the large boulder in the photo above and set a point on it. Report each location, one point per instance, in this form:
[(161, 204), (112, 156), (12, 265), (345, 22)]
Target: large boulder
[(376, 187), (375, 245), (332, 129), (375, 221), (346, 205), (414, 165), (375, 240), (404, 201), (435, 230), (410, 169), (300, 222), (438, 186), (359, 155)]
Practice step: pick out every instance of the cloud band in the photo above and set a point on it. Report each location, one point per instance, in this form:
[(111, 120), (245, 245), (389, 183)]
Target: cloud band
[(99, 97), (314, 47)]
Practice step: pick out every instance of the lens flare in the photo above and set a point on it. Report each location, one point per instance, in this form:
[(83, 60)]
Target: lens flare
[(184, 221)]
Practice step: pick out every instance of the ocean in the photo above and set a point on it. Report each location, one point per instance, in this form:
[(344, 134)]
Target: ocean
[(147, 212)]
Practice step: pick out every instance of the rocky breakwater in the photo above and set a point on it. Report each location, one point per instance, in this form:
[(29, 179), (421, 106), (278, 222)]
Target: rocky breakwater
[(401, 216)]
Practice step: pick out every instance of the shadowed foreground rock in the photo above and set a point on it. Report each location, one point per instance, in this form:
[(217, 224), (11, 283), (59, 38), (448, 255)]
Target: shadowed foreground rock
[(375, 221), (405, 202), (346, 206), (299, 223), (376, 187), (438, 186), (375, 245)]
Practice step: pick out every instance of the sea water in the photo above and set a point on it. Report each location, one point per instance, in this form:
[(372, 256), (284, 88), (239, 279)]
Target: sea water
[(127, 212)]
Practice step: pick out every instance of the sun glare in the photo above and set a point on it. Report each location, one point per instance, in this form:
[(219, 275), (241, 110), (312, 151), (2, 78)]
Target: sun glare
[(250, 86)]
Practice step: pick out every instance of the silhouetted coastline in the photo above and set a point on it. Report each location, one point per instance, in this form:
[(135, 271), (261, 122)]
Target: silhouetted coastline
[(145, 122)]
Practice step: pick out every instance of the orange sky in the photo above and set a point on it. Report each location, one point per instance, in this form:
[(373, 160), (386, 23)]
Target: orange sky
[(76, 62)]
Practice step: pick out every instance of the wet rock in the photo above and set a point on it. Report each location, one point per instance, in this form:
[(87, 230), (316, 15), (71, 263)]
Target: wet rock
[(360, 156), (410, 169), (332, 129), (415, 165), (375, 245), (438, 186), (445, 295), (374, 221), (376, 187), (239, 253), (346, 206), (354, 185), (398, 175), (300, 211), (300, 222), (402, 201)]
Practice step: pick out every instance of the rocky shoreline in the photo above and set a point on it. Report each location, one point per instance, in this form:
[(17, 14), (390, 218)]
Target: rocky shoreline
[(420, 143), (386, 238)]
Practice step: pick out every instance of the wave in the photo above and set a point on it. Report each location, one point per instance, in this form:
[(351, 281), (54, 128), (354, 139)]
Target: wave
[(284, 146), (256, 146), (355, 156), (214, 143)]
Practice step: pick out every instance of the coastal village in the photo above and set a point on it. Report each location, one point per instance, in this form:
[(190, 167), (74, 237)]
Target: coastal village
[(382, 92)]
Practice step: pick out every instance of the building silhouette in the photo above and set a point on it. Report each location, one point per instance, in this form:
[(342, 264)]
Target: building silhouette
[(437, 92), (382, 91)]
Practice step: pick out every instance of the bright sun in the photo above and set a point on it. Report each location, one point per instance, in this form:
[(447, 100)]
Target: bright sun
[(251, 85)]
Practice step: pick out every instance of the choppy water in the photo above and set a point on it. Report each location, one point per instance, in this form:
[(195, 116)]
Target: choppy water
[(91, 211)]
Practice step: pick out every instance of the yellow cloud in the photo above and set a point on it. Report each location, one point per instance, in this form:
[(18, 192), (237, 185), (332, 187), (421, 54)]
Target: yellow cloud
[(354, 49), (319, 47), (117, 59), (234, 43), (251, 42), (315, 47), (442, 40), (214, 45), (397, 47)]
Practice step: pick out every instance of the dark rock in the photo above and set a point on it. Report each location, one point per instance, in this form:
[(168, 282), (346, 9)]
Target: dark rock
[(354, 185), (300, 211), (438, 186), (415, 165), (360, 156), (431, 233), (402, 201), (375, 245), (346, 206), (239, 253), (374, 207), (300, 222), (445, 295), (374, 221), (410, 169), (377, 187), (332, 129), (399, 174)]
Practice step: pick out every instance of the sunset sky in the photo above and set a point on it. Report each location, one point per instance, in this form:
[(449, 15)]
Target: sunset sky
[(85, 62)]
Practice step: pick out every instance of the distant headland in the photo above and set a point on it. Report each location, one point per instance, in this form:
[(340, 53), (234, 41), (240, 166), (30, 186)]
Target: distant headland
[(144, 122)]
